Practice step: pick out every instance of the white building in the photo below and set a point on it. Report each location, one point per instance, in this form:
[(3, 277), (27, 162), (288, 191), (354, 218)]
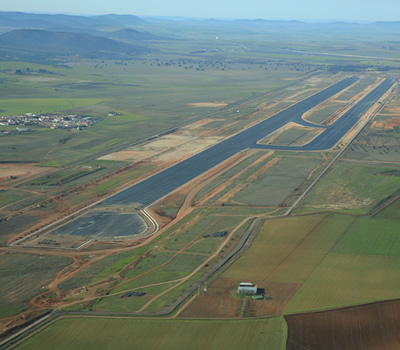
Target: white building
[(247, 288)]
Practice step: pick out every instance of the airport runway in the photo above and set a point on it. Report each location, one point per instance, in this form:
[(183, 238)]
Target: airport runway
[(163, 183), (336, 131)]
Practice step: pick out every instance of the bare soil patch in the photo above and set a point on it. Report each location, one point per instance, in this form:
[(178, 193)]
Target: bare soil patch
[(280, 294), (208, 104), (340, 197), (367, 327), (387, 124), (393, 108), (19, 170), (218, 301), (169, 148)]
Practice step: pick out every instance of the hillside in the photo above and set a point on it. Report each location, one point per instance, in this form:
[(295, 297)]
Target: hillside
[(133, 35), (21, 20), (25, 43)]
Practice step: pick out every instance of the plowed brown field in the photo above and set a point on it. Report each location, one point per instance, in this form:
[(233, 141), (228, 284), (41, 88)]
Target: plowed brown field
[(368, 327)]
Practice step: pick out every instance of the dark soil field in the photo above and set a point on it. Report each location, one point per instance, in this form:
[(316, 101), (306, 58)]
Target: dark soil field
[(368, 327)]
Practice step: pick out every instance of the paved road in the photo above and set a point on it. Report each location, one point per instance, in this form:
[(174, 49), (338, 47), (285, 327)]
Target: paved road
[(159, 185)]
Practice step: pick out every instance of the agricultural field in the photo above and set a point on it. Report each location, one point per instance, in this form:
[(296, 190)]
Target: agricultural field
[(88, 333), (23, 276), (347, 279), (312, 262), (366, 326), (390, 212)]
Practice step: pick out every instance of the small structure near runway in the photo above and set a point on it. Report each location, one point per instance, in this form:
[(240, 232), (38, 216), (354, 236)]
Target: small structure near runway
[(247, 288), (250, 289)]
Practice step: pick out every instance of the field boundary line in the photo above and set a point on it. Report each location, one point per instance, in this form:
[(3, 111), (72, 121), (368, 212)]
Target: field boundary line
[(340, 307), (298, 245)]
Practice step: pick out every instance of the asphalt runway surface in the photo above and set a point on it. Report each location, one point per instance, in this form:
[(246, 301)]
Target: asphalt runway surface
[(104, 225), (159, 185), (336, 131)]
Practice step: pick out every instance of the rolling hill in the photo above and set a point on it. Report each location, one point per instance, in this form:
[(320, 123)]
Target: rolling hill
[(30, 43)]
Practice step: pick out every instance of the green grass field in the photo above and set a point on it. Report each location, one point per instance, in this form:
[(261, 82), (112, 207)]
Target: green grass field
[(288, 250), (347, 279), (118, 303), (324, 112), (43, 105), (10, 196), (295, 136), (95, 333), (368, 236), (336, 260), (100, 269), (390, 212), (273, 186), (352, 188)]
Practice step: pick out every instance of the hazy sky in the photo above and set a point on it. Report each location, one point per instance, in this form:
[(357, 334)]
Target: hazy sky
[(362, 10)]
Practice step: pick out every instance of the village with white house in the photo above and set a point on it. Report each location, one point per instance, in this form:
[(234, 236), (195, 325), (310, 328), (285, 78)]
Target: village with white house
[(24, 123)]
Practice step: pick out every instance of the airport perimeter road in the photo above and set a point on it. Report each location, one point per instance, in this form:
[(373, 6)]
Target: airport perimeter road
[(157, 186)]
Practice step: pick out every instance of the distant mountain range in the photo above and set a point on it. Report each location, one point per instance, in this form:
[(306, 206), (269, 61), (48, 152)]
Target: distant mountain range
[(43, 36), (107, 25)]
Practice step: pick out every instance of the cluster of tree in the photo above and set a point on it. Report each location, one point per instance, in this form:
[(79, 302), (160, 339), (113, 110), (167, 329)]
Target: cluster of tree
[(356, 68), (29, 71), (221, 64)]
